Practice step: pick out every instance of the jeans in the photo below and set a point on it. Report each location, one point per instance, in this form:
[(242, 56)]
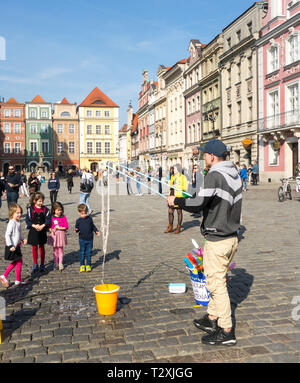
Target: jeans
[(53, 196), (84, 198), (85, 251), (138, 186), (12, 197)]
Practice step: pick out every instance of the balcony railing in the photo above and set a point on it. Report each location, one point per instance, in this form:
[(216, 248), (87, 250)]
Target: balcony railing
[(279, 121)]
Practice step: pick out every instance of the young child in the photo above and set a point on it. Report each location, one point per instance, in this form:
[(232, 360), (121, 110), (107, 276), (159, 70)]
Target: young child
[(38, 220), (13, 241), (244, 176), (86, 228), (58, 236)]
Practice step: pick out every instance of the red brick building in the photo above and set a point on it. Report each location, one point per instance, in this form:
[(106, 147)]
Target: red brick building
[(12, 135)]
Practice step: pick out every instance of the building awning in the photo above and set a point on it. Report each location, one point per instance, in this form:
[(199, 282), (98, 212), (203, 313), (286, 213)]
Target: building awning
[(247, 142)]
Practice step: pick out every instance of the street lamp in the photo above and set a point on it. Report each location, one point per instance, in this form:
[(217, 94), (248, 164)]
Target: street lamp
[(211, 118)]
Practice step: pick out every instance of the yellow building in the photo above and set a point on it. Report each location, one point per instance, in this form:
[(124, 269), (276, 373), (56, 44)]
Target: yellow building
[(98, 131)]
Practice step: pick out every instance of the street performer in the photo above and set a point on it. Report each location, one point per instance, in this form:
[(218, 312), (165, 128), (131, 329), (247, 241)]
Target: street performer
[(220, 200)]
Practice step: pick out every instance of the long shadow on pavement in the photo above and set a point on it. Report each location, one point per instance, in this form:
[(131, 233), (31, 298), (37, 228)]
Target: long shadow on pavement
[(239, 286)]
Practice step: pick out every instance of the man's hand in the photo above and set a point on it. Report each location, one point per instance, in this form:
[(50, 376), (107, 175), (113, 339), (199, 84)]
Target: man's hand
[(12, 249), (24, 241), (170, 200), (98, 233)]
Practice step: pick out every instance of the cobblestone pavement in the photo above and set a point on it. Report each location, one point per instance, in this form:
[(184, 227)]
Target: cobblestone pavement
[(54, 318)]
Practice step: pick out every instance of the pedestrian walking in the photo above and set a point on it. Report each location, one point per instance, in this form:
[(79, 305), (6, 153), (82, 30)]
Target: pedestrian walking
[(70, 183), (250, 181), (12, 185), (179, 181), (13, 241), (138, 181), (104, 177), (244, 176), (128, 184), (23, 187), (255, 172), (38, 220), (58, 234), (33, 184), (149, 180), (86, 186), (53, 186), (85, 228), (2, 188), (39, 177), (159, 179), (221, 202)]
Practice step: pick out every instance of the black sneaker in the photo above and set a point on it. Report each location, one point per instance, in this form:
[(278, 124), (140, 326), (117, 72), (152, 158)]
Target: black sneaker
[(42, 268), (220, 337), (206, 324)]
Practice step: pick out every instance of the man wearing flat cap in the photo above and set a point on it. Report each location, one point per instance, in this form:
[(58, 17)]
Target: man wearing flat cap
[(221, 201)]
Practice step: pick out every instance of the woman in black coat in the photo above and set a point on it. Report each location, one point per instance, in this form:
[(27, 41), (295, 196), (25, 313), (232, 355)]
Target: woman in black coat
[(33, 183), (70, 180)]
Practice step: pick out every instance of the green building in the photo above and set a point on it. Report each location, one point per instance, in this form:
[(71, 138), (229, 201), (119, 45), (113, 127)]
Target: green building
[(38, 134)]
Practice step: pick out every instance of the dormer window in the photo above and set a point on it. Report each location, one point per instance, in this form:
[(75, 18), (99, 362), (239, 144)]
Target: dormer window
[(65, 114)]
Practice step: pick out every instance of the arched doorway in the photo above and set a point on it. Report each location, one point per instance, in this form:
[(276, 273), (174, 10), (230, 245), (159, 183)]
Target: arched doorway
[(46, 166), (94, 166), (32, 166)]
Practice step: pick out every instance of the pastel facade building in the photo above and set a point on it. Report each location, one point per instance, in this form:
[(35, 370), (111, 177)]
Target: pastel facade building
[(239, 84), (65, 136), (174, 84), (12, 135), (38, 134), (98, 130), (210, 83), (278, 90), (192, 98)]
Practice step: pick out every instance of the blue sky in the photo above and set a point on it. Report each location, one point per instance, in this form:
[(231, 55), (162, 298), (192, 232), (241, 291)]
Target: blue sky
[(64, 48)]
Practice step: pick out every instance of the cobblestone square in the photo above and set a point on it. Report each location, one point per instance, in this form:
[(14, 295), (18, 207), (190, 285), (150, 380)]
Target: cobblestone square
[(54, 317)]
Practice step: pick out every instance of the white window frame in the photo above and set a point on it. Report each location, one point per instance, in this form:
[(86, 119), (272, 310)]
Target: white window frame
[(71, 128), (36, 143), (45, 142), (7, 127), (19, 147), (89, 113), (33, 129), (106, 147), (89, 129), (44, 113), (97, 144), (17, 128), (44, 129), (270, 107), (59, 128), (292, 114), (60, 147), (71, 147), (89, 143), (7, 147), (98, 129), (98, 113), (271, 150), (6, 112), (288, 58), (17, 113), (273, 62), (107, 129), (106, 113)]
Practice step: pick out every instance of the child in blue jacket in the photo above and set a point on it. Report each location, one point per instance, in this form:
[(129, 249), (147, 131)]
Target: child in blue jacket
[(244, 176)]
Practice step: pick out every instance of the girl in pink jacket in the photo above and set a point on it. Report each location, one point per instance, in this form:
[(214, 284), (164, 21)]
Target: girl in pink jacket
[(58, 234)]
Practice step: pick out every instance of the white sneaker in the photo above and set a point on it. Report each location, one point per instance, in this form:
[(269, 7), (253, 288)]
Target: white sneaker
[(4, 281), (17, 283)]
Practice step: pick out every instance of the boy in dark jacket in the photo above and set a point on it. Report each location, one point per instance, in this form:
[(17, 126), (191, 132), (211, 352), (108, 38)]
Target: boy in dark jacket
[(53, 186), (86, 229)]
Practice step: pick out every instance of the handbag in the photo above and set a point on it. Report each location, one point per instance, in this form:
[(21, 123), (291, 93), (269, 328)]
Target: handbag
[(12, 255)]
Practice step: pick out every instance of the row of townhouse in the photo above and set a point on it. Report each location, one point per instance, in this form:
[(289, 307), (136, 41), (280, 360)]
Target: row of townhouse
[(241, 87), (39, 134)]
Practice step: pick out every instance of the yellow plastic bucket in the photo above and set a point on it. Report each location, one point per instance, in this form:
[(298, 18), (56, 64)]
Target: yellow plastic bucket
[(106, 298)]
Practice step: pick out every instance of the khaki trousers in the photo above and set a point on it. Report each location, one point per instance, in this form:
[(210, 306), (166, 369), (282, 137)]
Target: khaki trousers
[(216, 259)]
